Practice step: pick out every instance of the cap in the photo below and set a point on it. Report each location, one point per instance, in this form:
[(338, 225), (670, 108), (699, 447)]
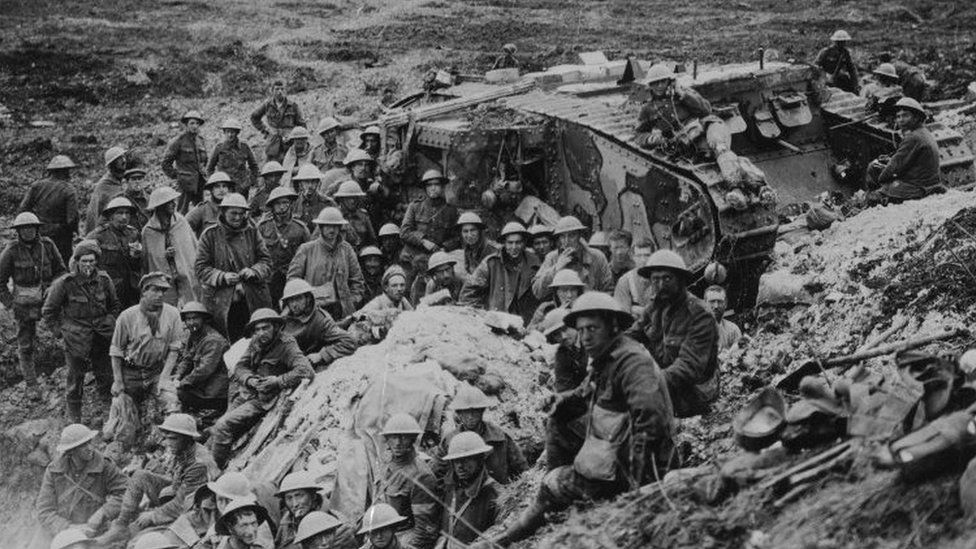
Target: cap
[(281, 192), (231, 124), (296, 287), (379, 516), (840, 36), (370, 251), (514, 227), (217, 177), (469, 397), (308, 172), (326, 124), (349, 189), (192, 115), (113, 154), (234, 200), (356, 155), (263, 315), (470, 218), (298, 132), (566, 277), (26, 219), (155, 278)]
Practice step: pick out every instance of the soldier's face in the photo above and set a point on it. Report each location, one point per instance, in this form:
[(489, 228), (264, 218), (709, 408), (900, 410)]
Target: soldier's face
[(152, 296), (230, 135), (325, 540), (467, 468), (175, 443), (619, 250), (396, 287), (271, 180), (86, 264), (435, 190), (382, 538), (665, 284), (135, 181), (372, 264), (27, 234), (567, 294), (542, 246), (569, 241), (469, 420), (234, 216), (514, 245), (906, 120), (443, 275), (299, 502), (329, 232), (166, 210), (299, 305), (193, 322), (470, 234), (80, 455), (219, 191), (193, 125), (641, 255), (371, 143), (245, 526), (716, 302), (348, 204), (329, 136), (400, 445), (595, 333), (308, 186), (281, 207), (359, 170), (569, 337), (300, 143), (262, 333), (119, 217), (278, 91), (207, 509)]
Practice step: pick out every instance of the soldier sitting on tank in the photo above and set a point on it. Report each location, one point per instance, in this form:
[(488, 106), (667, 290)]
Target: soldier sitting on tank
[(836, 62), (910, 77), (882, 90), (913, 170)]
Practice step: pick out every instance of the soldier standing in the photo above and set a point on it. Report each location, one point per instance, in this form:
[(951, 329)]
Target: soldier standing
[(282, 235), (330, 152), (55, 202), (299, 153), (106, 188), (309, 203), (271, 174), (282, 114), (186, 161), (134, 185), (360, 231), (430, 224), (836, 62), (573, 253), (168, 245), (503, 281), (31, 262), (234, 157), (329, 264), (81, 308), (121, 247)]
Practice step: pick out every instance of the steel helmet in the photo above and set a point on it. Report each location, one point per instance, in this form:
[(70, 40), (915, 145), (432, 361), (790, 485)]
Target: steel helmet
[(315, 523), (599, 239), (568, 224), (218, 177), (117, 203), (308, 172), (433, 175), (330, 215), (66, 538), (194, 308), (154, 540), (299, 480), (667, 260), (554, 321), (370, 251), (657, 73), (192, 115), (298, 132), (356, 155), (272, 167), (263, 315), (466, 444), (379, 516), (234, 200), (349, 189), (326, 124), (537, 229), (26, 219), (248, 503), (231, 485), (296, 287), (909, 104), (401, 424), (514, 227), (161, 196), (281, 192), (510, 48), (567, 277), (886, 69), (469, 397), (389, 229), (113, 154), (597, 302), (840, 36), (73, 436), (470, 218), (231, 124), (370, 130), (60, 162), (438, 260), (181, 424)]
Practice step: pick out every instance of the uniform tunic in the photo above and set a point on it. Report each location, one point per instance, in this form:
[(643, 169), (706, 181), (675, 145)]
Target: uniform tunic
[(55, 203), (237, 161), (186, 162)]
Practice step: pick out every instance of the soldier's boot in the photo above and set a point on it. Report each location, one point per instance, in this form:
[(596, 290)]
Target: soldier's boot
[(528, 522), (26, 359)]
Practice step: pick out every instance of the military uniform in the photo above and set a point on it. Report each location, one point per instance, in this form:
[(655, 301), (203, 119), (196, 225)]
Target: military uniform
[(334, 272), (237, 161), (201, 372), (503, 284), (281, 118), (186, 162), (32, 267), (56, 204), (282, 241), (360, 231), (319, 337), (307, 207), (203, 215), (105, 189), (139, 216), (474, 255), (469, 511), (116, 259), (504, 464), (328, 158), (408, 488), (912, 171), (590, 265), (837, 64), (68, 496), (427, 219), (259, 201), (83, 309)]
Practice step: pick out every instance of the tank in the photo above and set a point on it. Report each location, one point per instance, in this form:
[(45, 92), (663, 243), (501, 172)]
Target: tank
[(563, 140)]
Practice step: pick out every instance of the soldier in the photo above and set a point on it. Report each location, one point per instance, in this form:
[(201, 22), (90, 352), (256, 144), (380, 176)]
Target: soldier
[(72, 538), (679, 331), (600, 242), (299, 154), (233, 267), (200, 373), (106, 188), (186, 161), (541, 240), (121, 247), (504, 459), (566, 286), (309, 203), (471, 505), (474, 242), (271, 174), (910, 77), (31, 263), (503, 281), (241, 522), (440, 275), (632, 290), (145, 347), (302, 498), (168, 246), (569, 365), (390, 244), (883, 86), (80, 486), (321, 530), (282, 116), (234, 485), (836, 62), (383, 309), (625, 388), (235, 158), (371, 263), (369, 141), (728, 332), (620, 258), (507, 59), (429, 224), (134, 188), (189, 468), (317, 334), (190, 528), (407, 483), (913, 170), (329, 264), (282, 235), (573, 253), (358, 165), (360, 231), (55, 202), (380, 523), (81, 308), (273, 362), (207, 213), (330, 152)]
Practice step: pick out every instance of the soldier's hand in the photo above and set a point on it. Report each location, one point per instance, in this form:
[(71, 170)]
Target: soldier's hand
[(564, 259), (144, 520), (117, 387), (231, 279), (314, 358)]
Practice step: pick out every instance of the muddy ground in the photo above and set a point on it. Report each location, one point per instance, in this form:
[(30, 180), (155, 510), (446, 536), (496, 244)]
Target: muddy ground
[(79, 76)]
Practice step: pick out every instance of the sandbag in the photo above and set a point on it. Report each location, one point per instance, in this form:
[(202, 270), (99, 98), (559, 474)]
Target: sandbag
[(123, 421)]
